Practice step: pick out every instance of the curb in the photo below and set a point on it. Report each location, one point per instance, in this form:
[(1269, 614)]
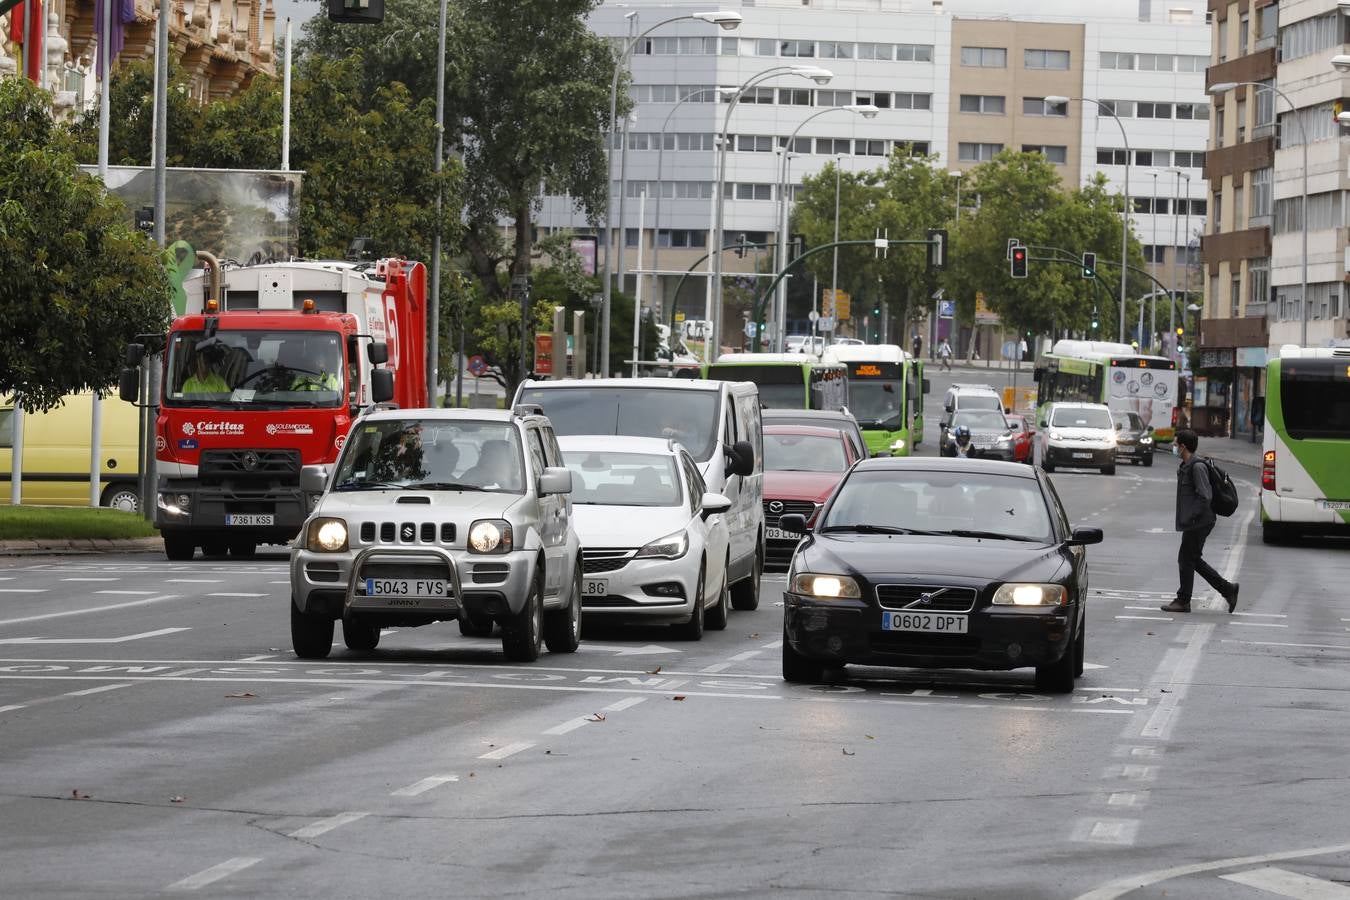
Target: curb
[(60, 547)]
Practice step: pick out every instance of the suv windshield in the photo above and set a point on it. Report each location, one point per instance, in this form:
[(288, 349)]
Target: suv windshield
[(432, 454), (981, 420), (803, 453), (688, 416), (939, 502), (1081, 417), (623, 479), (237, 369), (978, 400)]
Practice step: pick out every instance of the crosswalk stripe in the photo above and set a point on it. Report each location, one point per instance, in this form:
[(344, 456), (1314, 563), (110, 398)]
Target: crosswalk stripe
[(1289, 884)]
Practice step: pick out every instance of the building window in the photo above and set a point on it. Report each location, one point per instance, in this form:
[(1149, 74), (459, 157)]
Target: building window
[(833, 50), (1156, 62), (1159, 158), (879, 99), (970, 152), (1221, 40), (1314, 35), (1220, 120), (1117, 60), (1055, 154), (1258, 281), (869, 148), (1036, 106), (1218, 212), (1318, 122), (1235, 295), (876, 51), (794, 96), (681, 238), (1239, 194), (1241, 121), (1146, 109), (1109, 157), (1244, 34), (797, 48), (1193, 110), (985, 57), (1188, 159), (1262, 197), (834, 146), (913, 101), (1045, 59), (800, 145), (986, 104), (1123, 109), (1190, 63), (754, 143), (914, 52), (630, 237), (743, 191), (834, 98)]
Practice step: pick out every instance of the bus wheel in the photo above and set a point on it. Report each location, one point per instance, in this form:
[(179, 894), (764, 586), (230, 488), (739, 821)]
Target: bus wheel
[(179, 547), (123, 497), (1272, 533)]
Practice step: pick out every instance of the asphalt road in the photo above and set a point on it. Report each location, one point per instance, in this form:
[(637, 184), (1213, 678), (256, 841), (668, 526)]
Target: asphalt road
[(158, 736)]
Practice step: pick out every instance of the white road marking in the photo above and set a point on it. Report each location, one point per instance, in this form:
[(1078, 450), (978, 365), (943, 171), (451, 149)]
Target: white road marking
[(569, 725), (426, 784), (630, 650), (256, 658), (1284, 644), (1133, 772), (235, 594), (13, 707), (1127, 798), (1131, 883), (214, 874), (625, 703), (1159, 724), (23, 590), (87, 579), (1147, 608), (323, 826), (194, 580), (1106, 831), (1149, 618), (91, 609), (278, 582), (716, 667), (749, 654), (1289, 884), (1263, 615), (108, 640), (508, 750), (126, 593), (774, 646), (1259, 624), (97, 690), (1106, 690)]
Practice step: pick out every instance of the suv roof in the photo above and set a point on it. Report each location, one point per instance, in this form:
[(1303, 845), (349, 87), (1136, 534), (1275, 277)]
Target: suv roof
[(1075, 404), (449, 415), (958, 387)]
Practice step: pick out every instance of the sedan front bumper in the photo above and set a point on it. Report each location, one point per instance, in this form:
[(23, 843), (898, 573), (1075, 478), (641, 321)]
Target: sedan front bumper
[(1080, 455), (652, 591)]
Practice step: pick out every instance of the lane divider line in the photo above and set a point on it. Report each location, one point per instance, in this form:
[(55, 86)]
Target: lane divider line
[(508, 750), (426, 784), (323, 826), (1148, 618), (565, 727), (215, 873), (125, 593), (91, 609), (625, 703), (98, 690), (235, 594), (748, 654)]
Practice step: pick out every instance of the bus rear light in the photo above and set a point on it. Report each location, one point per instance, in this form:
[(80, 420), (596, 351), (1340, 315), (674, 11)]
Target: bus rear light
[(1176, 414), (1268, 471)]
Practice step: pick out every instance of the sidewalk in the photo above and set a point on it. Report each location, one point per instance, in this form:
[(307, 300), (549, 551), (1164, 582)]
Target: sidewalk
[(88, 545), (1238, 451)]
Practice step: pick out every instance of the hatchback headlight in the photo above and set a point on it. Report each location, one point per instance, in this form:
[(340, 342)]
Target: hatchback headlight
[(1031, 595), (490, 536), (326, 535), (831, 587), (672, 546)]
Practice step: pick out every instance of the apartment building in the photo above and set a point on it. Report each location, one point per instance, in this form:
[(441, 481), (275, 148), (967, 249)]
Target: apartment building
[(961, 79)]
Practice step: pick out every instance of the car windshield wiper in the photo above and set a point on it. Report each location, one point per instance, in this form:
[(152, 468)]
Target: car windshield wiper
[(992, 535), (444, 486), (873, 529), (360, 485)]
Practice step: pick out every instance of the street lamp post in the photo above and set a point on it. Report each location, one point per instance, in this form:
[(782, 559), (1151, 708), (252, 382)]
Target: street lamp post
[(1125, 228), (867, 111), (728, 21), (1176, 215), (815, 73), (1222, 88), (1153, 264)]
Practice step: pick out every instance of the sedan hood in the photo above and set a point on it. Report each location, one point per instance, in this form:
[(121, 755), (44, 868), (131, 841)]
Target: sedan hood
[(884, 557), (813, 486), (626, 526)]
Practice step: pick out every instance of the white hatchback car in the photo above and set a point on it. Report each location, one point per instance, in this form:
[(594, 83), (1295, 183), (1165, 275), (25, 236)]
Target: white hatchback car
[(654, 541)]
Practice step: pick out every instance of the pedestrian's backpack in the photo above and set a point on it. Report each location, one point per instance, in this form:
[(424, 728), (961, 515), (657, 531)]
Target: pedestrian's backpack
[(1223, 496)]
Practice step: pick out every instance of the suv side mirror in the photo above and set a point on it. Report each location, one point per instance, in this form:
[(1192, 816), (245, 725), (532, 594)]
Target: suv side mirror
[(129, 385), (741, 456), (793, 523), (378, 353), (713, 504), (1081, 537), (555, 480), (381, 385), (313, 479), (1120, 426)]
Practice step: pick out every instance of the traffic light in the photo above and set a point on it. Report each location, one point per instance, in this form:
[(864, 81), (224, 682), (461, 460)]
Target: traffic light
[(740, 246), (1089, 265), (796, 246), (1180, 331), (1094, 320), (876, 309), (1019, 262), (356, 12), (937, 249)]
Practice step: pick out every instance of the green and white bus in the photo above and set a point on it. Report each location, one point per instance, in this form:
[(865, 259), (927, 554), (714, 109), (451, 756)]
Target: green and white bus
[(885, 394), (786, 380), (1114, 374), (1305, 479)]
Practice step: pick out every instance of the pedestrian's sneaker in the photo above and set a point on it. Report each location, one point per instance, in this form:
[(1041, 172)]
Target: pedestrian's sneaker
[(1231, 597), (1176, 606)]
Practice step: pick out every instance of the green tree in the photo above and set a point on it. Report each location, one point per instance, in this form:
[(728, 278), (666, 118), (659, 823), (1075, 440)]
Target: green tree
[(76, 283), (131, 116)]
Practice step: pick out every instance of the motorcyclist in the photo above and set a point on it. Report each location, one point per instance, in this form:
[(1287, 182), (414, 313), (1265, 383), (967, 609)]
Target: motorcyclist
[(960, 445)]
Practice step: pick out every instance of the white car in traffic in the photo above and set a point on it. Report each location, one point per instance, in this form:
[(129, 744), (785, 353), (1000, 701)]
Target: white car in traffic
[(654, 540)]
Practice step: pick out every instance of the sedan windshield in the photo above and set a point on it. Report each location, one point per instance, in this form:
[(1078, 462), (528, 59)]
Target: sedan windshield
[(803, 453), (688, 416), (426, 454), (938, 502), (622, 479), (1081, 417), (981, 420)]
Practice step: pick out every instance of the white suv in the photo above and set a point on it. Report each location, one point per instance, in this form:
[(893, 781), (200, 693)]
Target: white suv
[(1077, 435)]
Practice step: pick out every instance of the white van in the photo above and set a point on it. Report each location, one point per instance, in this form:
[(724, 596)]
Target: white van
[(716, 421)]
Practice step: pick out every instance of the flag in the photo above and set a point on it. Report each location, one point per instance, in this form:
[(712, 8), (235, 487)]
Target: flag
[(124, 14), (32, 57)]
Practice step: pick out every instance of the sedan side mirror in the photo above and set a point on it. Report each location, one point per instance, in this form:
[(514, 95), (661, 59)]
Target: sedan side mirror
[(555, 480), (1081, 537), (313, 479), (793, 523), (741, 456), (713, 504), (1150, 429)]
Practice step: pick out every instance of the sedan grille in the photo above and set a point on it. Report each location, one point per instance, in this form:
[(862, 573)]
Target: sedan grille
[(775, 508), (939, 598), (594, 562)]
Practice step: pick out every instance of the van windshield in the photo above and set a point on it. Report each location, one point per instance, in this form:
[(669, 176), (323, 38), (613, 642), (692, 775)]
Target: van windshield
[(1081, 417), (688, 416)]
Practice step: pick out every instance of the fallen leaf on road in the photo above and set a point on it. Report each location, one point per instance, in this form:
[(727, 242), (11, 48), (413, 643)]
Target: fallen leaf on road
[(1164, 690), (678, 697), (654, 671), (243, 695), (76, 795), (847, 752), (596, 717), (177, 798), (754, 634), (869, 737), (275, 649), (1148, 632), (471, 774)]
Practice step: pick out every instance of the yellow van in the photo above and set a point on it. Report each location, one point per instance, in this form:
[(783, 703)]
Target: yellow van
[(56, 453)]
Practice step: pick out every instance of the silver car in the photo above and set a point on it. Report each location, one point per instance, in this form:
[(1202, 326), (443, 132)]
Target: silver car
[(436, 515)]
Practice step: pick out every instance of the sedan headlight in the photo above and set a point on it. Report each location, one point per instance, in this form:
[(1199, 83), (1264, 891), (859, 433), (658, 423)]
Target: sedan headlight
[(1031, 595), (490, 536), (326, 536), (832, 587), (672, 546), (1146, 440)]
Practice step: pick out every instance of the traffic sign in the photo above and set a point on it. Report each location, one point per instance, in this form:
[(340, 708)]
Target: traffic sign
[(835, 303), (946, 309), (812, 316), (750, 329), (477, 365), (679, 317)]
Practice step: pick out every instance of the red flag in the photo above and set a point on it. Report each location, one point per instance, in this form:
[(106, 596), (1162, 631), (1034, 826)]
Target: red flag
[(32, 58), (16, 24)]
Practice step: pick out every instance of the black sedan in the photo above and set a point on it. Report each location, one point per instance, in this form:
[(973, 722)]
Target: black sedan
[(939, 563), (1134, 439)]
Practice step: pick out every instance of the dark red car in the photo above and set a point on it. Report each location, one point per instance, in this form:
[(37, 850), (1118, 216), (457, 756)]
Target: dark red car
[(802, 466), (1022, 435)]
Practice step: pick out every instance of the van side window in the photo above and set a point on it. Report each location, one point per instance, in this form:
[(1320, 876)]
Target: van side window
[(7, 427), (747, 408)]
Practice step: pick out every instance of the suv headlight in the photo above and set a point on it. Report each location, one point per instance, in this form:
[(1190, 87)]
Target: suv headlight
[(326, 535), (830, 587), (1146, 440), (672, 546), (490, 536), (1031, 595)]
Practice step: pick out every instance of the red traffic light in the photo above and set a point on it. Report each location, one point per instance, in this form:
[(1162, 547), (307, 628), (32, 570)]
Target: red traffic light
[(1019, 262)]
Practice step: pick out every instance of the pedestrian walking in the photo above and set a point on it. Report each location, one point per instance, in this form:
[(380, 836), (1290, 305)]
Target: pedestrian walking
[(945, 354), (917, 343), (1195, 520)]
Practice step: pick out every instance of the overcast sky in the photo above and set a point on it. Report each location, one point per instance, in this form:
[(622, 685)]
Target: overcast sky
[(299, 10)]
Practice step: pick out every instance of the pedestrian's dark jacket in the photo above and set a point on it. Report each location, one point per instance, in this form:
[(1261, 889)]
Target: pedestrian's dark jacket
[(1193, 495)]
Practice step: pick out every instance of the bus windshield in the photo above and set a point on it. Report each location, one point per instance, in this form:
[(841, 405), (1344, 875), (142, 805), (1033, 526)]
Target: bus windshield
[(874, 395), (1315, 398), (780, 387)]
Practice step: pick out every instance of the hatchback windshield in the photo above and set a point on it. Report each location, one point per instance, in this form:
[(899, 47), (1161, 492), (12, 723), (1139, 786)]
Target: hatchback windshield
[(941, 502), (426, 454), (688, 416), (981, 420), (803, 453), (1081, 417), (622, 479)]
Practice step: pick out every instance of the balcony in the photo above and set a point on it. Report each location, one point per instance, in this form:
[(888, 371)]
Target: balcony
[(1243, 332), (1257, 310)]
